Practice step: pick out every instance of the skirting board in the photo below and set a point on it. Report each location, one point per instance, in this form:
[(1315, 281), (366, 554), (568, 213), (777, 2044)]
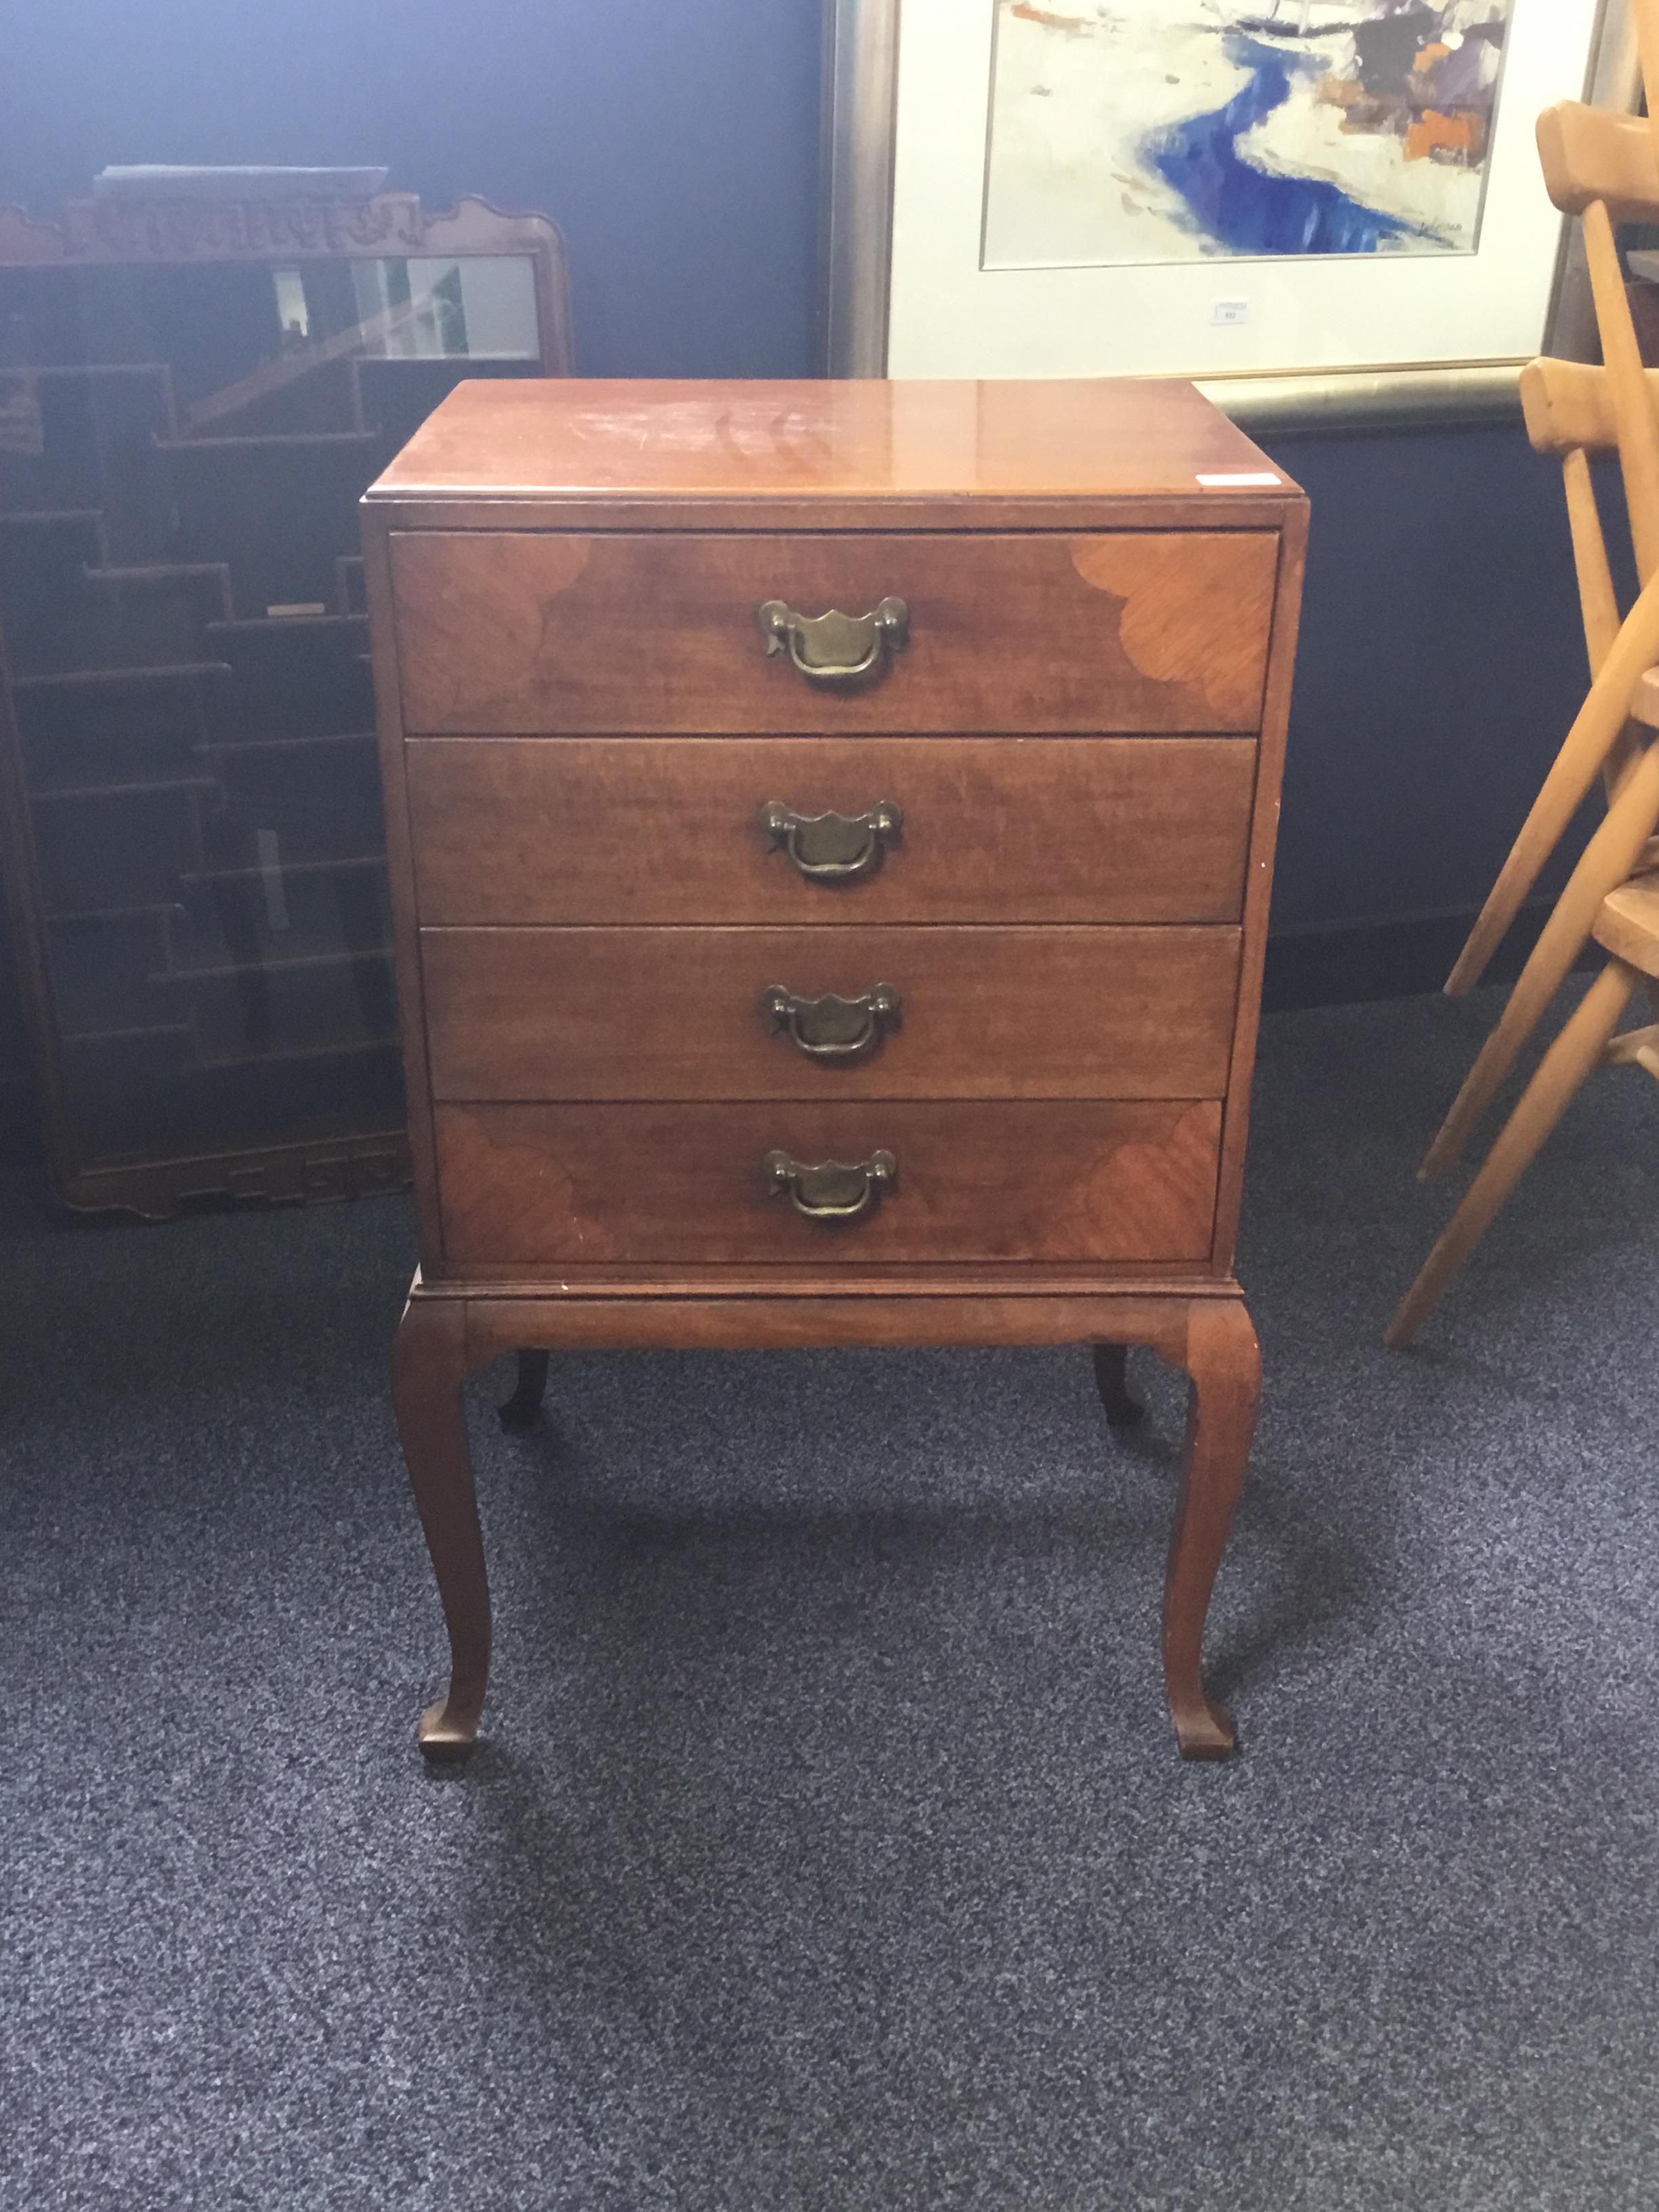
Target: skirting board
[(1387, 957)]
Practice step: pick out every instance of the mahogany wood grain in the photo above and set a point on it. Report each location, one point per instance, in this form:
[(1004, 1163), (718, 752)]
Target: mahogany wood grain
[(586, 726), (667, 829), (826, 441), (1259, 883), (1224, 1365), (1211, 1339), (400, 868), (677, 1013), (429, 1363), (877, 1282), (521, 633), (1237, 508), (527, 1185), (709, 1320)]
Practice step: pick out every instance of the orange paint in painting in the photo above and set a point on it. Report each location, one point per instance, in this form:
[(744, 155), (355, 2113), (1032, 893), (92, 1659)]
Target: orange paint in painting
[(1434, 133), (1428, 56), (1050, 21)]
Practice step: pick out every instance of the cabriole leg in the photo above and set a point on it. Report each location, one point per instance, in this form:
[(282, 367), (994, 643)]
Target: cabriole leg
[(429, 1367), (1224, 1366), (1123, 1409), (520, 1410)]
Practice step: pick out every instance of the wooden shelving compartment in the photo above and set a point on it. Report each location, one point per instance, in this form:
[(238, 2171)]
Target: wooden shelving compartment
[(192, 397)]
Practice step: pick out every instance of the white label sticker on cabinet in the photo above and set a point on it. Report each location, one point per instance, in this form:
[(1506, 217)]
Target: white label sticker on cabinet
[(1241, 477)]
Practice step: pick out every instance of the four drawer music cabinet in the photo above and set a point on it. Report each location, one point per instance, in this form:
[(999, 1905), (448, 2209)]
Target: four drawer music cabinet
[(831, 829)]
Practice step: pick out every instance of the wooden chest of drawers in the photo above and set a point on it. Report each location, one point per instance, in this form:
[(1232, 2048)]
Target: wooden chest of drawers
[(831, 829)]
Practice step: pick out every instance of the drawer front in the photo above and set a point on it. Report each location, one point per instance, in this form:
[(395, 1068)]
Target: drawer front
[(978, 1013), (525, 632), (673, 830), (529, 1186)]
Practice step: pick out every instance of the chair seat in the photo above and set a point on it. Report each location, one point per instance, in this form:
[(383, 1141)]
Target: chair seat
[(1628, 924)]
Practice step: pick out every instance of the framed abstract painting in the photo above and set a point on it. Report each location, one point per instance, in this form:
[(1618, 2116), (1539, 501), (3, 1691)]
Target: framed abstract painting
[(1321, 209)]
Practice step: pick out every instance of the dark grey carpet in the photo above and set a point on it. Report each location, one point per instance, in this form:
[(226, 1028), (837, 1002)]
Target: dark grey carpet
[(831, 1849)]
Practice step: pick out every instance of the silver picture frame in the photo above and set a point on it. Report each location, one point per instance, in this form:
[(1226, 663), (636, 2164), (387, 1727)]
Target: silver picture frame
[(861, 86)]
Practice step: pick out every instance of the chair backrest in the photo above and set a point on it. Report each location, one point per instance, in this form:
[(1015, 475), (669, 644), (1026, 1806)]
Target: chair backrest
[(1568, 409), (1604, 168), (1568, 406), (1591, 153)]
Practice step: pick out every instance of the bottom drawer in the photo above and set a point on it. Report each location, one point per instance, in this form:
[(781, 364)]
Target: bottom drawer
[(527, 1187)]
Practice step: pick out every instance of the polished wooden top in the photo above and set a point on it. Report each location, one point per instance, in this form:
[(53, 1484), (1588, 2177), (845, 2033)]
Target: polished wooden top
[(871, 439)]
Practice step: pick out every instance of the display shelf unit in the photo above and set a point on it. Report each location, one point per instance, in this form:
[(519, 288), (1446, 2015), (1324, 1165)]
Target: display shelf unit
[(193, 395)]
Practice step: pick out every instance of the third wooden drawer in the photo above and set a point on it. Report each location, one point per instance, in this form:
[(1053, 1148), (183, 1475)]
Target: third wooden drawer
[(648, 1013), (531, 1188), (674, 829)]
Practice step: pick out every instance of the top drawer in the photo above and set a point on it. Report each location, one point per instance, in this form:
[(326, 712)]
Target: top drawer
[(519, 633)]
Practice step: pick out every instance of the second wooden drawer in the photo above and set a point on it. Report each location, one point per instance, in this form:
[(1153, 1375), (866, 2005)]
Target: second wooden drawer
[(975, 830), (679, 1013)]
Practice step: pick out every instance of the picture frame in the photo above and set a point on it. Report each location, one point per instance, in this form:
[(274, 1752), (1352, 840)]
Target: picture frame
[(871, 160)]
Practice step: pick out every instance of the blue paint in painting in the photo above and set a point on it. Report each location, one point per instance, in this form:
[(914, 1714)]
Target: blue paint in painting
[(1251, 210)]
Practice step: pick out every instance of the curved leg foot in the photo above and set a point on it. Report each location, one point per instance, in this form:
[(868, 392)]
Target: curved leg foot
[(446, 1738), (1224, 1365), (429, 1367), (1123, 1409), (520, 1410)]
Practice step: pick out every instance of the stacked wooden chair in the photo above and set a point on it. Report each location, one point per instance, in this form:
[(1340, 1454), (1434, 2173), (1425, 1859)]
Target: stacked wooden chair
[(1603, 167)]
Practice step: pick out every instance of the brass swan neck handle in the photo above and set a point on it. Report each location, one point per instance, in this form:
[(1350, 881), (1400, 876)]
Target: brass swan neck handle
[(833, 1190), (831, 1027), (833, 849), (835, 647)]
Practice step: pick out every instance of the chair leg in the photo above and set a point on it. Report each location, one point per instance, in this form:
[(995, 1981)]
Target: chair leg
[(429, 1367), (1606, 862), (520, 1410), (1597, 729), (1123, 1409), (1561, 1073), (1224, 1365)]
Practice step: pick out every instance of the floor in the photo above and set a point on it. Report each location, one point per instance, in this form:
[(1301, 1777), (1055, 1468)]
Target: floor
[(829, 1849)]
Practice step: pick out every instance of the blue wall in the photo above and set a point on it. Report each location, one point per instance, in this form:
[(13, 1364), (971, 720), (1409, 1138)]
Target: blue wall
[(676, 142), (1441, 662)]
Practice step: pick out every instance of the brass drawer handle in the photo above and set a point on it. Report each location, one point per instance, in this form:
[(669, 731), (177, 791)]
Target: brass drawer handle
[(832, 848), (831, 1028), (834, 647), (833, 1190)]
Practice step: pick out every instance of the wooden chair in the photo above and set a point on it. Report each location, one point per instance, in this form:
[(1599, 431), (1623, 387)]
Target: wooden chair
[(1604, 168), (1567, 406), (1625, 921), (1568, 409)]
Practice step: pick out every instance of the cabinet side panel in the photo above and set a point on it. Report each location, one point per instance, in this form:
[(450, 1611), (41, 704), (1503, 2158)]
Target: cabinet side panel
[(1259, 881), (400, 875)]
